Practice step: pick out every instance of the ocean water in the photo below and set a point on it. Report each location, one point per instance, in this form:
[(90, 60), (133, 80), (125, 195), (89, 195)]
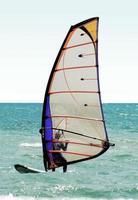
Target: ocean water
[(114, 175)]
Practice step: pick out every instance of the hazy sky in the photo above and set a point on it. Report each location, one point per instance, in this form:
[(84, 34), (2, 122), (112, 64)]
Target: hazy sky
[(32, 31)]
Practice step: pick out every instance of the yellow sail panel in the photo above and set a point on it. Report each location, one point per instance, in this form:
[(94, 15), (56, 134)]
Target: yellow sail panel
[(92, 29)]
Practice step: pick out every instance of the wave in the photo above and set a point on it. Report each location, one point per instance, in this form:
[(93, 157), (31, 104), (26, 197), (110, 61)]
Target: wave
[(34, 145), (11, 197)]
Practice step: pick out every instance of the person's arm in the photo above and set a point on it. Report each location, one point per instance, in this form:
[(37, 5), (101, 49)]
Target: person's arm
[(64, 146)]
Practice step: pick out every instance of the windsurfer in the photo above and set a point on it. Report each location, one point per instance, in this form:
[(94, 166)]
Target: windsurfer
[(57, 156)]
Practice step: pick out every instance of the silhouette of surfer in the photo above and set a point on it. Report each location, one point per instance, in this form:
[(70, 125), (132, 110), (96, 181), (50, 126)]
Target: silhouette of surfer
[(57, 156)]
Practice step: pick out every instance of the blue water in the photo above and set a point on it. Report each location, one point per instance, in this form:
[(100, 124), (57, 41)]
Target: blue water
[(114, 175)]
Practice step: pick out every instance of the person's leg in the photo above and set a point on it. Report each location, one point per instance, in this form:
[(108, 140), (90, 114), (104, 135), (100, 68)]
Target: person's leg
[(64, 168), (53, 169)]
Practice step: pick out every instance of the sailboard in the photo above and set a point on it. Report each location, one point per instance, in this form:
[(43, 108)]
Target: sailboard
[(25, 170), (72, 110)]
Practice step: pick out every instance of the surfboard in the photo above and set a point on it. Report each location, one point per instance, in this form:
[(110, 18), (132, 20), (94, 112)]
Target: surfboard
[(24, 169)]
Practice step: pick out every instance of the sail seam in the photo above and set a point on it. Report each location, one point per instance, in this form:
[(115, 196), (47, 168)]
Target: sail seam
[(69, 152), (75, 117), (60, 92), (79, 67), (78, 45), (79, 143)]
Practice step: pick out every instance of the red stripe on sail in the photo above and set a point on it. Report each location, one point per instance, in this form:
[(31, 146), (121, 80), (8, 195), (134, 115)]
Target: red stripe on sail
[(78, 45), (77, 67), (75, 117), (75, 91), (70, 152), (78, 143)]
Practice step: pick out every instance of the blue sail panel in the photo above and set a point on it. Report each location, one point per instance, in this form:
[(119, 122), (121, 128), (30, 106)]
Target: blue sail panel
[(48, 134)]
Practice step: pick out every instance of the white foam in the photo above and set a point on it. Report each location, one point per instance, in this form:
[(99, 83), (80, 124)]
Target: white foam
[(12, 197), (34, 145)]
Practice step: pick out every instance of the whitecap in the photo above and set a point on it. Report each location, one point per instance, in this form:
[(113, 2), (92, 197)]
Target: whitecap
[(34, 145), (12, 197)]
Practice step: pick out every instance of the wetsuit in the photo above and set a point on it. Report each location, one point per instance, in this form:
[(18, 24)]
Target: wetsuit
[(58, 157)]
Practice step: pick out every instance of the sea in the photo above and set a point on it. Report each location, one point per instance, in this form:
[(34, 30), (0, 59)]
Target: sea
[(112, 176)]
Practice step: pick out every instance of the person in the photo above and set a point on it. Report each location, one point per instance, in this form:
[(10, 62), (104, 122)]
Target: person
[(57, 156)]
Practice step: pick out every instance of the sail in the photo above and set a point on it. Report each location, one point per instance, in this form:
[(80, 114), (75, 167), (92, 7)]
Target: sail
[(72, 105)]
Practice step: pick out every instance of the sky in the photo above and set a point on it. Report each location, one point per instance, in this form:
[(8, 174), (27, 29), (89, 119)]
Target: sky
[(31, 34)]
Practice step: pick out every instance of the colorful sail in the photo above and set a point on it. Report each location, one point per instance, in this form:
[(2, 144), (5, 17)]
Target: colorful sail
[(72, 111)]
